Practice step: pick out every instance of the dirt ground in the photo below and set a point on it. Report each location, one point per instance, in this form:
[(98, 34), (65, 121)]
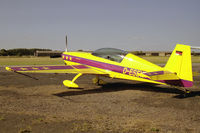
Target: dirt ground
[(46, 106)]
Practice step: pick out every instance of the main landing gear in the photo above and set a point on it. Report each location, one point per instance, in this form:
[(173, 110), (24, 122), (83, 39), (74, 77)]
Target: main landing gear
[(187, 91), (71, 84), (98, 81), (183, 89)]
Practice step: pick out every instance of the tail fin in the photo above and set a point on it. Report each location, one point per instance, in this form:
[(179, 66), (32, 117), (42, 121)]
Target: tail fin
[(180, 64)]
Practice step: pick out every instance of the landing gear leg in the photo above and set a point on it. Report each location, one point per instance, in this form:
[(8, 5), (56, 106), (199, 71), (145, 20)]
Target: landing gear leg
[(77, 76), (71, 84), (186, 91)]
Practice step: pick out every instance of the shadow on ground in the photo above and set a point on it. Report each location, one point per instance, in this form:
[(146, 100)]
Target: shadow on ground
[(113, 87)]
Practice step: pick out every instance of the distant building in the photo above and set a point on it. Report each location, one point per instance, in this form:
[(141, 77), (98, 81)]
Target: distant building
[(154, 53), (195, 54), (162, 53), (49, 53), (54, 54)]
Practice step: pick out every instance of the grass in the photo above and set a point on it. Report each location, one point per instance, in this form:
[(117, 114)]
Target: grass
[(82, 127), (2, 118), (17, 61), (28, 130), (38, 120), (155, 130), (10, 61)]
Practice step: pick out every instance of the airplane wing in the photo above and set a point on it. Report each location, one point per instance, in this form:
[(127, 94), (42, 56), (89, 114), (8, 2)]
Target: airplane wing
[(56, 69)]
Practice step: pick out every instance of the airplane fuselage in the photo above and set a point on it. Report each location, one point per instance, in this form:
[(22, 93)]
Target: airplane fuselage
[(137, 67)]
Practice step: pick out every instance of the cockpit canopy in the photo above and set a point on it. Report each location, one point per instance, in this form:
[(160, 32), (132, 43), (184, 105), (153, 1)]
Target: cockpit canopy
[(112, 54)]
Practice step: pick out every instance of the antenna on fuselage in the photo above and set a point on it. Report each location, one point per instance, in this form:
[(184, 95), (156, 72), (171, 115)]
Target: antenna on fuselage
[(66, 50)]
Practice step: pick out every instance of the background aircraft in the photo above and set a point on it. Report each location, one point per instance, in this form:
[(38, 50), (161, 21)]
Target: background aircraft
[(119, 64)]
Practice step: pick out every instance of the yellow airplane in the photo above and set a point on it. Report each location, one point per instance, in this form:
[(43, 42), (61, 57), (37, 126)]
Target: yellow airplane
[(119, 64)]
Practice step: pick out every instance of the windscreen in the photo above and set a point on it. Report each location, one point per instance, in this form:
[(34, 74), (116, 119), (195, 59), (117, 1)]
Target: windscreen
[(111, 54)]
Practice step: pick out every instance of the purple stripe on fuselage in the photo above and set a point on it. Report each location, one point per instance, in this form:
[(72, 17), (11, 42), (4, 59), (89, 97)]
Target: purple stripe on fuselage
[(121, 69), (154, 73), (97, 64), (102, 65)]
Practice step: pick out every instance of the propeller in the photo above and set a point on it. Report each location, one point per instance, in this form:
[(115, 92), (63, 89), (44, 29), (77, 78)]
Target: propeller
[(66, 50), (66, 45)]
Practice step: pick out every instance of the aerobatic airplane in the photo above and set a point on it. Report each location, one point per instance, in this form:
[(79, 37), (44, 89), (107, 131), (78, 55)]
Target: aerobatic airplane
[(119, 64)]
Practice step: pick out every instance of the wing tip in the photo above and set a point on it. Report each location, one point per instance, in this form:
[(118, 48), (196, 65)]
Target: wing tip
[(8, 69)]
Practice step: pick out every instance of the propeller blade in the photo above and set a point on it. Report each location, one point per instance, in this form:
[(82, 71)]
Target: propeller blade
[(66, 45)]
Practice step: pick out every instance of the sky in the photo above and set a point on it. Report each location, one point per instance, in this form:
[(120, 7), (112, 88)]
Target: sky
[(91, 24)]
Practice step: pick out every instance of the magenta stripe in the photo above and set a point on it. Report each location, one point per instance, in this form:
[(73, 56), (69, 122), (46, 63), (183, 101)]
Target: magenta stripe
[(119, 69), (154, 73), (181, 82), (80, 66), (102, 65), (97, 64), (47, 68)]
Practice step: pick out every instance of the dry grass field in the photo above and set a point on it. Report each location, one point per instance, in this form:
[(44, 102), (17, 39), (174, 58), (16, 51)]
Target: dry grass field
[(15, 61)]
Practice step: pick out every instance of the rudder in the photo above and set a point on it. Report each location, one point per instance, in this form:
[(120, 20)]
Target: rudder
[(180, 63)]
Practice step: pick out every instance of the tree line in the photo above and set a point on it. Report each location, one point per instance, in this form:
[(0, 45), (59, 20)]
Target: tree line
[(20, 51)]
